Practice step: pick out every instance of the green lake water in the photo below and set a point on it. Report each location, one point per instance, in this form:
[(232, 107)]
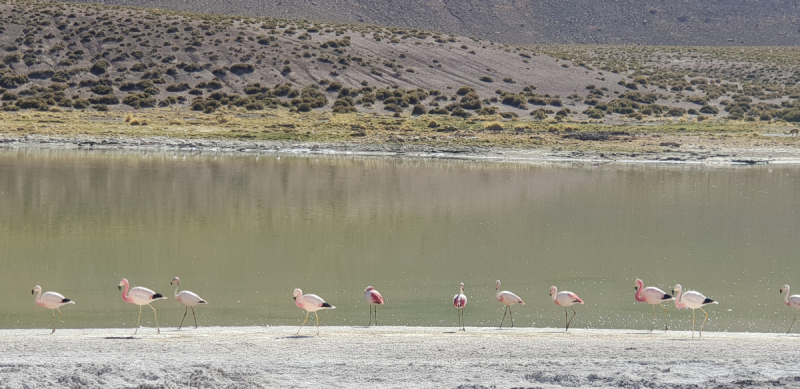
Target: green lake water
[(244, 231)]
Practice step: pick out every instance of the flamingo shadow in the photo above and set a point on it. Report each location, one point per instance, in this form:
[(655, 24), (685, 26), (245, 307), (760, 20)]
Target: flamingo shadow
[(119, 337), (296, 337)]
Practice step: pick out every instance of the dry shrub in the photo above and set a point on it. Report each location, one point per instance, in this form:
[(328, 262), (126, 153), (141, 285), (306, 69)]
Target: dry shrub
[(128, 117), (176, 122), (494, 127)]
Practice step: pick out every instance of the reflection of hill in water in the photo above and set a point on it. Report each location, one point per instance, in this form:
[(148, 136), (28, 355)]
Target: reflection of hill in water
[(648, 22)]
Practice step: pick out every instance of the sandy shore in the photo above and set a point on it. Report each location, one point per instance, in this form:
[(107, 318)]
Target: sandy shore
[(392, 357), (726, 154)]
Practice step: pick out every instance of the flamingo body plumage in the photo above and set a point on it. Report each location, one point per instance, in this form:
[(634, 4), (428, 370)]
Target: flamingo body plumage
[(692, 300), (52, 301), (459, 302), (187, 298), (565, 299), (792, 302), (311, 303), (653, 296), (508, 299), (374, 298), (140, 296)]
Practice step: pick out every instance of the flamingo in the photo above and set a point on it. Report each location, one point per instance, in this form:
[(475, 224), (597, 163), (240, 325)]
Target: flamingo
[(791, 301), (459, 302), (654, 296), (51, 301), (373, 298), (140, 296), (189, 299), (508, 299), (693, 300), (311, 303), (565, 299)]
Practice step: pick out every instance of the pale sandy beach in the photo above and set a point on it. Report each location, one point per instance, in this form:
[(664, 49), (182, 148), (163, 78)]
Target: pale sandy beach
[(394, 357)]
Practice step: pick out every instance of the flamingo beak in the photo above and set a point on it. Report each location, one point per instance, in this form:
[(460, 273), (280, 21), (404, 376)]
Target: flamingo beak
[(35, 291), (119, 287), (170, 283), (294, 298)]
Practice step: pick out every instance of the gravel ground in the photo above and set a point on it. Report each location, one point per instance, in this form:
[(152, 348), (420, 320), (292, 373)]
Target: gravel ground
[(393, 357), (725, 154)]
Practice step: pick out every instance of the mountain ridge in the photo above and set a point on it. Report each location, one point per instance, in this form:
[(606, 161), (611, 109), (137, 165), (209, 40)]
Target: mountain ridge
[(636, 22)]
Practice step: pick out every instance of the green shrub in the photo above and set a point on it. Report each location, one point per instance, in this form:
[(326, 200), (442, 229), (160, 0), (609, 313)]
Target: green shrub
[(242, 68), (418, 110), (487, 79), (99, 67)]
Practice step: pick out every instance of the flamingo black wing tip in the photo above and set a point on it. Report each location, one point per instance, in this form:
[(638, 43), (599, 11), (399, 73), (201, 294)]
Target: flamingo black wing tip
[(667, 297), (326, 305), (67, 301), (157, 296), (710, 301)]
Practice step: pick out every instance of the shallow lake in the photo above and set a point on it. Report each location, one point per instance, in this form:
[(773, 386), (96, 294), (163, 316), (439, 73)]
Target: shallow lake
[(244, 231)]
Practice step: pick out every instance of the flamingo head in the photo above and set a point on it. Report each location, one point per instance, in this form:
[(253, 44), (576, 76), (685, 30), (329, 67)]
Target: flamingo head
[(297, 293), (553, 290), (676, 289), (369, 288), (36, 289), (497, 285), (784, 289), (462, 287), (639, 284), (122, 283), (175, 280)]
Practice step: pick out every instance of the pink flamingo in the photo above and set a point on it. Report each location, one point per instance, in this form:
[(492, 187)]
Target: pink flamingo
[(508, 299), (140, 296), (791, 301), (374, 298), (459, 302), (311, 303), (187, 298), (654, 296), (694, 300), (51, 301), (565, 299)]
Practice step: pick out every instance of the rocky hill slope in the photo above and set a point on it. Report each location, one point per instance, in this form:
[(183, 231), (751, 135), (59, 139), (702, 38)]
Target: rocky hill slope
[(642, 22)]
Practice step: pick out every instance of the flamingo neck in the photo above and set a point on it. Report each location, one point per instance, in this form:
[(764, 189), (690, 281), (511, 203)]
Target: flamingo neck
[(785, 299), (639, 290), (678, 303), (555, 293), (39, 299), (125, 297), (177, 285), (462, 289)]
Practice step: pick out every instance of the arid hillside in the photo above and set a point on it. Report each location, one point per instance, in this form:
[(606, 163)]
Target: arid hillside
[(641, 22), (58, 56)]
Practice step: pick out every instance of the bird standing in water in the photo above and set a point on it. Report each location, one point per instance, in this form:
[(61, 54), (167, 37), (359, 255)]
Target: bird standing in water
[(187, 298), (374, 298), (654, 296), (51, 301), (311, 303), (791, 301), (693, 300), (140, 296), (459, 302), (508, 299), (565, 299)]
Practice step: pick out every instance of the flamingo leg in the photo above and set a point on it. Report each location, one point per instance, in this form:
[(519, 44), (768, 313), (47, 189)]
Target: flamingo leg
[(54, 322), (692, 323), (704, 322), (317, 316), (462, 320), (138, 321), (304, 323), (573, 316), (790, 327), (654, 319), (566, 316), (666, 319), (156, 316), (376, 315), (370, 315), (511, 316), (504, 316), (185, 311), (195, 318)]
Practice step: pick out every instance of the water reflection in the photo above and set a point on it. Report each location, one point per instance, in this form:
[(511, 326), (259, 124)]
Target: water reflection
[(244, 231)]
